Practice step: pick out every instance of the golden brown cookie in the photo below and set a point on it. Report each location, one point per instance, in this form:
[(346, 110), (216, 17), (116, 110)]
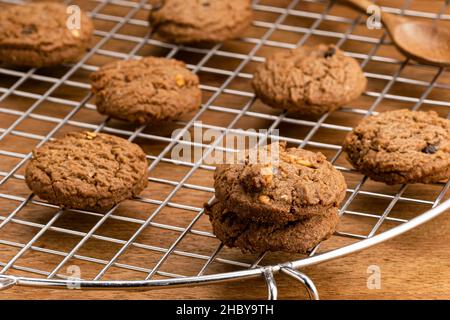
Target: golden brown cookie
[(37, 35), (301, 184), (190, 21), (145, 90), (295, 237), (309, 80), (88, 171), (401, 146)]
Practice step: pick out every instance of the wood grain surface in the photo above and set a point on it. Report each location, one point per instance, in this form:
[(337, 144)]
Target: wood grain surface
[(415, 265)]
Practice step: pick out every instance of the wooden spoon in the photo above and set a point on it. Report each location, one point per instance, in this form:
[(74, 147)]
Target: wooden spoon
[(422, 41)]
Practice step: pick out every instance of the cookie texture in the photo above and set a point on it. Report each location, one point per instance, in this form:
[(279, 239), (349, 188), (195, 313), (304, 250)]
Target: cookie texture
[(36, 35), (295, 237), (145, 90), (190, 21), (401, 146), (298, 184), (309, 80), (87, 171)]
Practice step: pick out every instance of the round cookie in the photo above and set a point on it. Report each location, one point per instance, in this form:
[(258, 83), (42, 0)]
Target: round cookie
[(401, 146), (191, 21), (145, 90), (87, 171), (309, 80), (295, 237), (36, 35), (301, 184)]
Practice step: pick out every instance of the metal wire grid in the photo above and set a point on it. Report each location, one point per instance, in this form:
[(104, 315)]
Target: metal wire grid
[(291, 9)]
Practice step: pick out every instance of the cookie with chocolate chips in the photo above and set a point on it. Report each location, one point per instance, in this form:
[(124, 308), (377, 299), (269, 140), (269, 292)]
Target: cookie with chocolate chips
[(145, 90), (291, 186), (295, 237), (38, 35), (401, 146), (87, 171), (191, 21), (309, 80)]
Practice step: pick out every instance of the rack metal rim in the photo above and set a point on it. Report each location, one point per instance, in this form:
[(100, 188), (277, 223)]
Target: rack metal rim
[(9, 281)]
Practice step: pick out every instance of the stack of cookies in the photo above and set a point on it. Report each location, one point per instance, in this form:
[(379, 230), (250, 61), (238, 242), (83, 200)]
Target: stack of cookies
[(290, 204)]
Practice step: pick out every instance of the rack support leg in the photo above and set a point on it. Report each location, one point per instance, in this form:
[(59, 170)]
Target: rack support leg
[(303, 279), (271, 284)]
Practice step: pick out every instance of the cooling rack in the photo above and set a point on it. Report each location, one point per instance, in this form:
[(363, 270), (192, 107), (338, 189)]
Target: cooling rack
[(162, 239)]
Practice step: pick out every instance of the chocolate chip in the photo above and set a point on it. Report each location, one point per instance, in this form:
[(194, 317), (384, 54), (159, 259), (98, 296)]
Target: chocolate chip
[(430, 149), (330, 52), (29, 29)]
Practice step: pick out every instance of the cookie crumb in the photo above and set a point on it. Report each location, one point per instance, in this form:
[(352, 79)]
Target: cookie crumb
[(115, 149), (285, 197), (179, 79), (299, 161), (90, 135), (267, 173), (75, 33), (264, 199), (305, 163)]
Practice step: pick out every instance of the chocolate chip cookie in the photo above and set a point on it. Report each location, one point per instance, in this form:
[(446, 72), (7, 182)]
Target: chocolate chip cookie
[(38, 35), (145, 90), (190, 21), (401, 146), (300, 184), (295, 237), (309, 80), (87, 171)]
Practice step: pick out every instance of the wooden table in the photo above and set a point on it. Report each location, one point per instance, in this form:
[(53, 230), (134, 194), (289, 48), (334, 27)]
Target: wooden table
[(414, 265)]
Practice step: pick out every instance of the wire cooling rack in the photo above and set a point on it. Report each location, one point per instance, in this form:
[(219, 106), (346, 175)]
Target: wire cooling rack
[(162, 238)]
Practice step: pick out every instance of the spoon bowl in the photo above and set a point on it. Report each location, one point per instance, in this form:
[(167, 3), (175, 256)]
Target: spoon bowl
[(424, 42)]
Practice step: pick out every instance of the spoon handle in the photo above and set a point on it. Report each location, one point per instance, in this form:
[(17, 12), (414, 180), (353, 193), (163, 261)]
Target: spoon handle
[(362, 5)]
